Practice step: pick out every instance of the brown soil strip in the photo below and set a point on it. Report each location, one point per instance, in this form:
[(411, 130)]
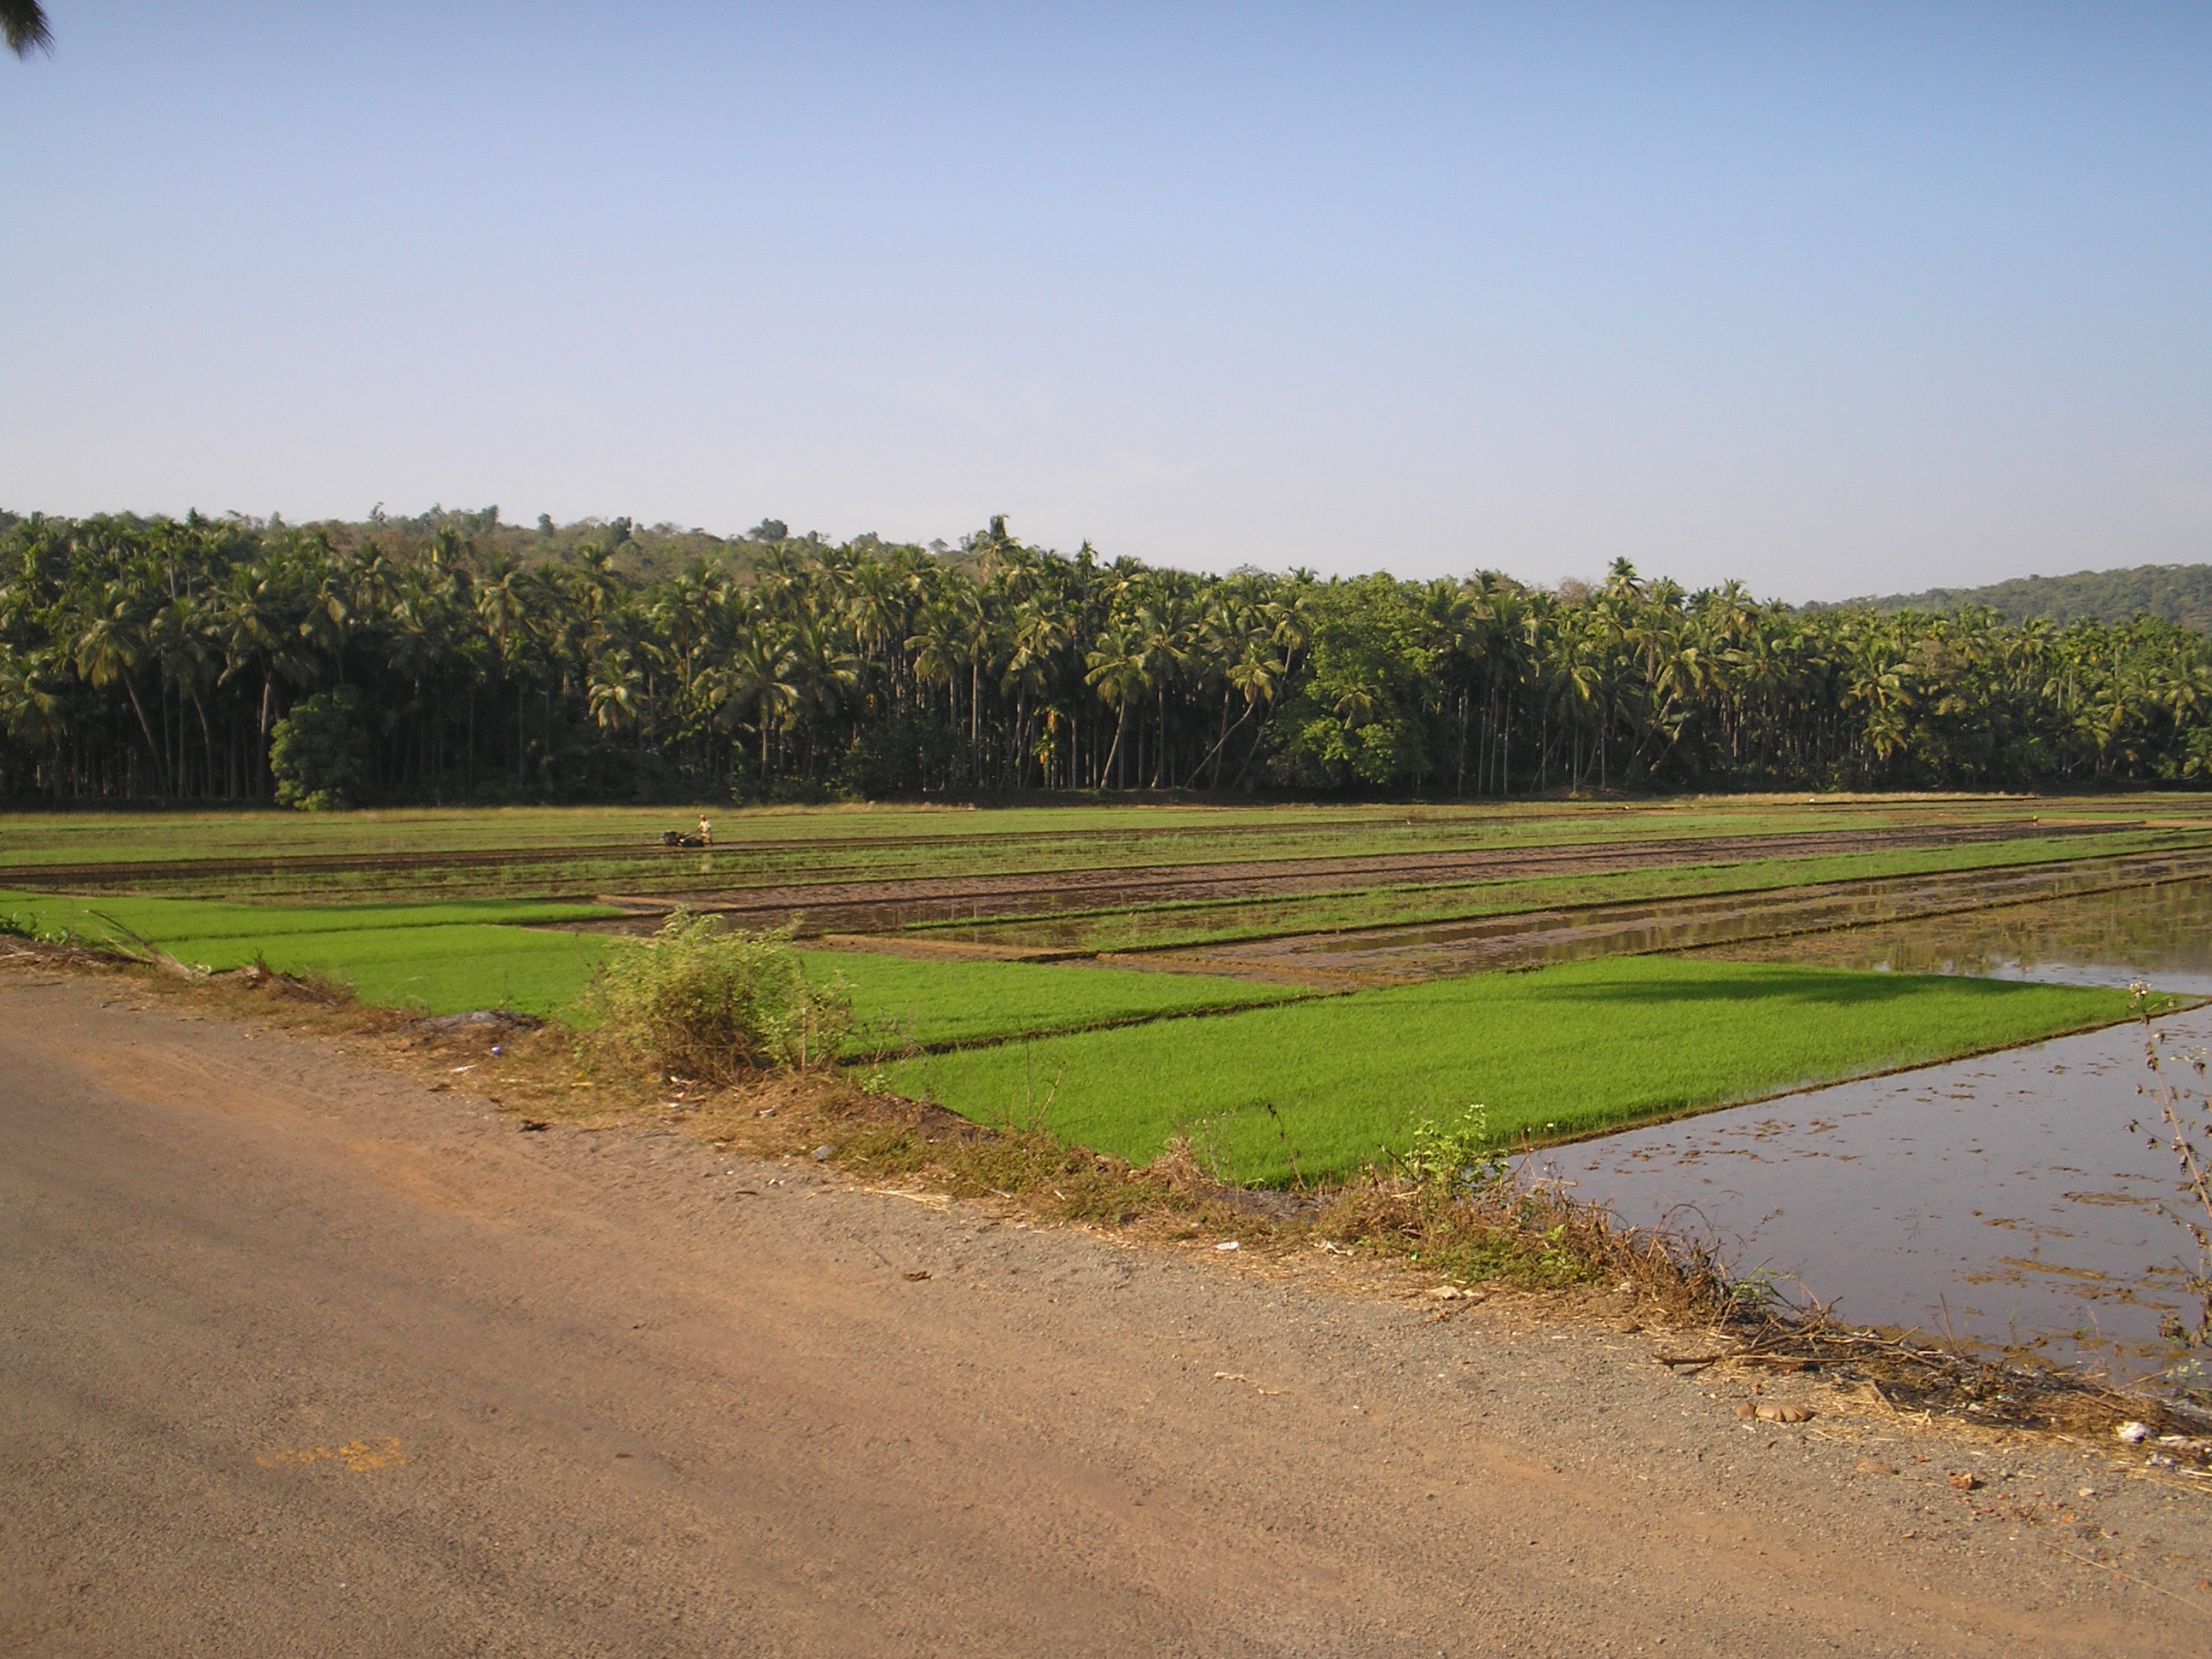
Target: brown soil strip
[(1529, 938), (879, 907)]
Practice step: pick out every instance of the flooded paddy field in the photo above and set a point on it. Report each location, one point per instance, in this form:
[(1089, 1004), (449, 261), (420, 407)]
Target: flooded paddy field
[(2002, 1200), (2161, 933)]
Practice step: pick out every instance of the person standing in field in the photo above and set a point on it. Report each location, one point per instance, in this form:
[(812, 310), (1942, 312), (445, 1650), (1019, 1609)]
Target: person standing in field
[(706, 831)]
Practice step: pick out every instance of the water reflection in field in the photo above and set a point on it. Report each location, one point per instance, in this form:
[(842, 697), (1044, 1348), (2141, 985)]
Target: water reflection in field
[(2004, 1197), (2162, 934)]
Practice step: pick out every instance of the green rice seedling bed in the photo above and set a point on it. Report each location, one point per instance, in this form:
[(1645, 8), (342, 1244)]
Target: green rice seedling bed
[(448, 957), (1553, 1053), (903, 1004), (442, 958)]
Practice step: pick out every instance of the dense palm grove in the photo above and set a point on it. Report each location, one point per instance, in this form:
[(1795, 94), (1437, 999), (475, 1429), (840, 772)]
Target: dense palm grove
[(458, 660)]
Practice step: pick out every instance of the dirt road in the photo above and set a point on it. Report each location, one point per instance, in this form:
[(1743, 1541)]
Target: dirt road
[(297, 1357)]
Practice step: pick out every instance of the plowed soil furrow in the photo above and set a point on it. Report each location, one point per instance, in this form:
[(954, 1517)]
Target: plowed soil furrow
[(882, 906), (1529, 938)]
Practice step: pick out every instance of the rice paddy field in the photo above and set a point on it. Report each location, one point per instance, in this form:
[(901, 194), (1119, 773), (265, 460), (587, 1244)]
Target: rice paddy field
[(1555, 1053), (1306, 982)]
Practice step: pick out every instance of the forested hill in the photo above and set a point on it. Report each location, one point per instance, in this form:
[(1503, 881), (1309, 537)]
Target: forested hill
[(637, 552), (460, 659), (2178, 592)]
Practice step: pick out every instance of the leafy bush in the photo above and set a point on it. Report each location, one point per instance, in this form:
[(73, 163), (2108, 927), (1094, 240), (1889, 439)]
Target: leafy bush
[(317, 752), (702, 1001), (1456, 1157)]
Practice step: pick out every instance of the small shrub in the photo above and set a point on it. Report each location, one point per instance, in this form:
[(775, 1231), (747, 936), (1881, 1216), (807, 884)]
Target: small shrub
[(1457, 1157), (16, 925), (702, 1001)]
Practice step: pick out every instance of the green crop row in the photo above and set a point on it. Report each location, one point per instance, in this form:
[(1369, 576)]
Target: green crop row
[(603, 848), (1217, 922), (444, 958), (1339, 1082)]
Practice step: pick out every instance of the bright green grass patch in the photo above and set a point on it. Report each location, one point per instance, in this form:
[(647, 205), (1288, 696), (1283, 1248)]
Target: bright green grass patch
[(443, 958), (900, 1001), (163, 920), (449, 957), (1571, 1049)]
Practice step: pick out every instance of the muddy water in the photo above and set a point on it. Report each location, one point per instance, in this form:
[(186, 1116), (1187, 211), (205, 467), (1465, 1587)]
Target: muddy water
[(2004, 1198)]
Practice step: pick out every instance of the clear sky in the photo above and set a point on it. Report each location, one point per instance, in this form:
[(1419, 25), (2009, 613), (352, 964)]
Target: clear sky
[(1839, 299)]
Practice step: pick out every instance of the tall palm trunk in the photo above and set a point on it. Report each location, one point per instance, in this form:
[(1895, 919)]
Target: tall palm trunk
[(1120, 720), (154, 749)]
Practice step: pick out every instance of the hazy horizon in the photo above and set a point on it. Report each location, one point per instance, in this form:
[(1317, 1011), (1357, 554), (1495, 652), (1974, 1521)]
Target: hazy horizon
[(1838, 304)]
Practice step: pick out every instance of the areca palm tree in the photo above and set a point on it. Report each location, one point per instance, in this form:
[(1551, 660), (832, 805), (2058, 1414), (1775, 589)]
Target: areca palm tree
[(1115, 669), (122, 640), (109, 648), (758, 676)]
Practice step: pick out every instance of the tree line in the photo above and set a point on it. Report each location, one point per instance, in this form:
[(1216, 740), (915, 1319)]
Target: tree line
[(2179, 592), (441, 661)]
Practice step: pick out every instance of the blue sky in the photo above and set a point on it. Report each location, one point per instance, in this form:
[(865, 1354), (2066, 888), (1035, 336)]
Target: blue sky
[(1835, 298)]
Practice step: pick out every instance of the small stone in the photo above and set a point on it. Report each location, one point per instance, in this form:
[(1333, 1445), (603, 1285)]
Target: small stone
[(1745, 1410), (2086, 1492), (1964, 1479), (1774, 1411), (2133, 1434), (824, 1154), (1875, 1466)]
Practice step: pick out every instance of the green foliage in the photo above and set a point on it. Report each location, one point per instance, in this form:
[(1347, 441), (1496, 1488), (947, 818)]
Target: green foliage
[(703, 1001), (487, 662), (1358, 716), (1456, 1156), (15, 924), (1565, 1050), (318, 753), (2178, 593)]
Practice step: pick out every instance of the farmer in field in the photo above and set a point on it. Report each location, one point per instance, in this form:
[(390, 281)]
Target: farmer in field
[(706, 831)]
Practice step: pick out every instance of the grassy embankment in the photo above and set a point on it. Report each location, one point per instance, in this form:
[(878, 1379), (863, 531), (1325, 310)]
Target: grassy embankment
[(1566, 1050), (446, 957)]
